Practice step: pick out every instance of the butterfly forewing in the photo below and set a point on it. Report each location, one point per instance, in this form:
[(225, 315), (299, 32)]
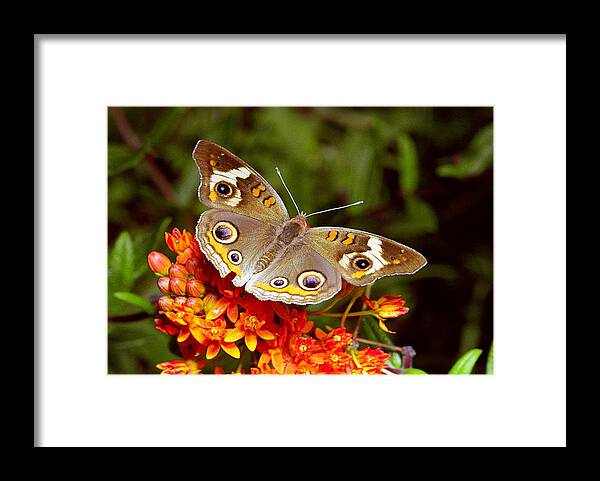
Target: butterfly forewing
[(227, 182), (362, 257)]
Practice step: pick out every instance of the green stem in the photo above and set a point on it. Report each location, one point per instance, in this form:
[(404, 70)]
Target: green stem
[(381, 344), (330, 306), (359, 320), (339, 314)]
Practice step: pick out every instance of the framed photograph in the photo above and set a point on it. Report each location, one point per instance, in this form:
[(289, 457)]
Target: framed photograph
[(215, 215)]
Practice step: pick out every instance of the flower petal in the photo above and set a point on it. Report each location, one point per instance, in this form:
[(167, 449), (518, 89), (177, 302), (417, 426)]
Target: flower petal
[(212, 350), (281, 310), (217, 309), (250, 341), (384, 327), (277, 360), (233, 335), (265, 334), (231, 349), (184, 333), (264, 359), (232, 312), (320, 333), (308, 326), (197, 333)]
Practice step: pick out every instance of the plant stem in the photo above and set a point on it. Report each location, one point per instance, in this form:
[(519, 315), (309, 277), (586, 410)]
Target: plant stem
[(132, 140), (359, 320), (330, 306), (340, 314), (381, 344), (350, 304)]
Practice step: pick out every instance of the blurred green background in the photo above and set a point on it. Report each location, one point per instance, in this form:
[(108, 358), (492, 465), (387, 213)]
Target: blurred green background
[(424, 173)]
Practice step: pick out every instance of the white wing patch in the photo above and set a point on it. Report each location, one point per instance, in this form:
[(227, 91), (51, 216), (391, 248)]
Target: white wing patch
[(374, 254), (230, 177)]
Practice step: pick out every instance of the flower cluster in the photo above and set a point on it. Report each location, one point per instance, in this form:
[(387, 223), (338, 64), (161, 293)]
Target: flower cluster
[(212, 319)]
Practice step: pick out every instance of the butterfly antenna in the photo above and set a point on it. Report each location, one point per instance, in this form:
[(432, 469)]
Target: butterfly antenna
[(358, 202), (288, 190)]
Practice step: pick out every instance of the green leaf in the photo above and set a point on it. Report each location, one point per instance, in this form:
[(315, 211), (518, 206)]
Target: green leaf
[(121, 271), (121, 263), (159, 237), (162, 127), (362, 177), (489, 365), (408, 164), (143, 243), (395, 360), (413, 370), (136, 347), (136, 300), (186, 188), (419, 217), (477, 157), (119, 158), (373, 332), (466, 363)]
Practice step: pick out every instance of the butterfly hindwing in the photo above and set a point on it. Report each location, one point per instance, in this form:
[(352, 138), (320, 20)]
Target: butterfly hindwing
[(300, 276), (233, 242)]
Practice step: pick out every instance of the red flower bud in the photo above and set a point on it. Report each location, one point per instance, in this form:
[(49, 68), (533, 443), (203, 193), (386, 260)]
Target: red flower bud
[(195, 288), (180, 300), (163, 284), (177, 286), (158, 263), (165, 303), (195, 304), (194, 267), (178, 271)]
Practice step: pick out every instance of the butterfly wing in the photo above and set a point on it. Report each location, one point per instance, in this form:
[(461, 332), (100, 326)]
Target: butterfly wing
[(233, 242), (229, 183), (301, 276), (361, 257)]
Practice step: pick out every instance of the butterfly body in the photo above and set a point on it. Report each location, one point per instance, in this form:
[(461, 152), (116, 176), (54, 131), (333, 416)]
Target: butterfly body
[(290, 236), (248, 232)]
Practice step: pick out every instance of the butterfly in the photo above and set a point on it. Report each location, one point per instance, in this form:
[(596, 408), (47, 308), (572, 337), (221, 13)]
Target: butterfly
[(248, 231)]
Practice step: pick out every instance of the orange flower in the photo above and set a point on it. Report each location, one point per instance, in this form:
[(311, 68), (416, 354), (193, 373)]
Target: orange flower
[(183, 244), (214, 330), (386, 307), (189, 366), (336, 339), (302, 347), (249, 327), (369, 361)]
